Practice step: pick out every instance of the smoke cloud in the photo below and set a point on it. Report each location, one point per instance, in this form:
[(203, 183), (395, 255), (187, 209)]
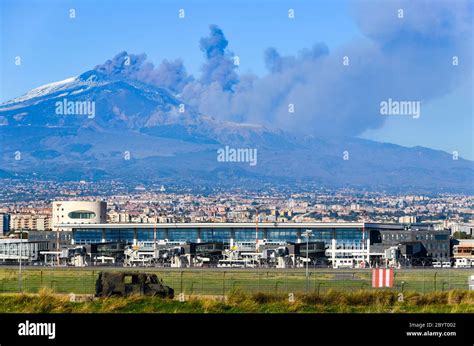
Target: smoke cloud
[(122, 64), (405, 58), (169, 74), (219, 67), (275, 63)]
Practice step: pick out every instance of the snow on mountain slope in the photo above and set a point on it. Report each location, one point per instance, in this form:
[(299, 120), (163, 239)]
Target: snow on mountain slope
[(44, 90)]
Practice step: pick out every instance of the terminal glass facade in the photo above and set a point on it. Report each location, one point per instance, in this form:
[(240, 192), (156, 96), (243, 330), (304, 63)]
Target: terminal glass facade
[(87, 236), (290, 235), (351, 239), (324, 235), (212, 235), (345, 237), (149, 235), (121, 235), (185, 234), (247, 234)]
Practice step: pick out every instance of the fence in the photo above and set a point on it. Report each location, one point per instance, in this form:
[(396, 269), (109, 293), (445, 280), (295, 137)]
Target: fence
[(222, 282)]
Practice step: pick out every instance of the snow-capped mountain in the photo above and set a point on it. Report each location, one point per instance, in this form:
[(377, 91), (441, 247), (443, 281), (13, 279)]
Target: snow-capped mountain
[(100, 126), (120, 104)]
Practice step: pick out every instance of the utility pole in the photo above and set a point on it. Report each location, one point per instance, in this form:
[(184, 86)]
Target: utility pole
[(363, 244), (154, 240), (57, 246), (307, 234)]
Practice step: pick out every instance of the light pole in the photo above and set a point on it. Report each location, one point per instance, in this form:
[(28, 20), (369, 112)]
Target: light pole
[(20, 248), (307, 234), (256, 228)]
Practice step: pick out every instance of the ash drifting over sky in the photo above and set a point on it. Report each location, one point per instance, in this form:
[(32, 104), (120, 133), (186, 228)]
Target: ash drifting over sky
[(407, 58)]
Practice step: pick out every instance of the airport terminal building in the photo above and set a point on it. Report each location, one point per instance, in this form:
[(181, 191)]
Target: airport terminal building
[(362, 241), (85, 222)]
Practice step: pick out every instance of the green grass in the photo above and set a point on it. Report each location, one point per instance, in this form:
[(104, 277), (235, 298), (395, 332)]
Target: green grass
[(222, 282), (360, 301)]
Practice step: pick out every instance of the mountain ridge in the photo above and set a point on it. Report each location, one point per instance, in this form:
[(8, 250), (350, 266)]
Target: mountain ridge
[(146, 133)]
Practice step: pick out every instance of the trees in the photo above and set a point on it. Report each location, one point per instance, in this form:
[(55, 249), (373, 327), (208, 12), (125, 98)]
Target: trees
[(461, 235)]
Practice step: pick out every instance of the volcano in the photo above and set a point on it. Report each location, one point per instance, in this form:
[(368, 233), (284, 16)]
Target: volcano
[(139, 132)]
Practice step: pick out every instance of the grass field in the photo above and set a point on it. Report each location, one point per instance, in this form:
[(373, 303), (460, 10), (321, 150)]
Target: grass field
[(361, 301), (222, 282)]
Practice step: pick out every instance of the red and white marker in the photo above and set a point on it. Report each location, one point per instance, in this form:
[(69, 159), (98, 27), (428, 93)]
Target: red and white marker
[(382, 277)]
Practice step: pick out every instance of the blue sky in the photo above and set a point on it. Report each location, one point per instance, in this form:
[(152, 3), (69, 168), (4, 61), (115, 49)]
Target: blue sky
[(54, 47)]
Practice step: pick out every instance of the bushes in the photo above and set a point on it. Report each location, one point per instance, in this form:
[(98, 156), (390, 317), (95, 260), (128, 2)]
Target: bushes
[(357, 298), (452, 297), (459, 296), (265, 298), (361, 301), (375, 299)]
